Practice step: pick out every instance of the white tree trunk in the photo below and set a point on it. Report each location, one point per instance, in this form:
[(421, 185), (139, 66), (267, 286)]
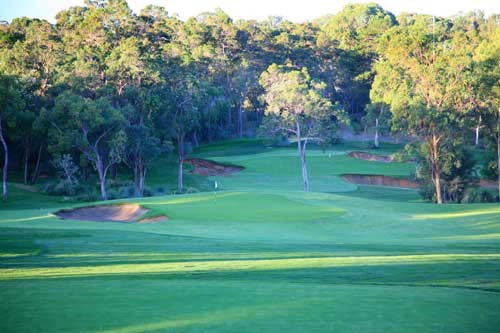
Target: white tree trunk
[(180, 151), (240, 118), (478, 127), (36, 172), (436, 173), (302, 155), (376, 143), (5, 163), (102, 177)]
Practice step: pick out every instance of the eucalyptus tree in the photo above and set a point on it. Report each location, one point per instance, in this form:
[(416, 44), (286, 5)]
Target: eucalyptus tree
[(33, 55), (296, 107), (141, 106), (357, 29), (377, 116), (487, 55), (220, 40), (423, 76), (180, 113), (243, 81), (11, 108), (92, 126)]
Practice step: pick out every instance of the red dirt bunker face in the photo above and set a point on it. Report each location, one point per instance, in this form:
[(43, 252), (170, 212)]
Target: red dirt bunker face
[(379, 180), (210, 168), (370, 157)]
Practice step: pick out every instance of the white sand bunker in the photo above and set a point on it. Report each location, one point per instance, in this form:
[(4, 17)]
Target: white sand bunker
[(127, 213)]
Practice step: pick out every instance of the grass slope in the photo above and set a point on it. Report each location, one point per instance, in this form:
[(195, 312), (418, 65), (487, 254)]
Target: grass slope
[(260, 255)]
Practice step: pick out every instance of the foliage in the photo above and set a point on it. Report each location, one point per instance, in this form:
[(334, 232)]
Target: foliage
[(68, 172), (457, 171), (160, 82), (297, 107)]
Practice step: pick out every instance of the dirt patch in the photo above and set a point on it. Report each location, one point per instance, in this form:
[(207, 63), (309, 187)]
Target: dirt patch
[(158, 218), (25, 187), (370, 157), (487, 183), (379, 181), (113, 213), (211, 168)]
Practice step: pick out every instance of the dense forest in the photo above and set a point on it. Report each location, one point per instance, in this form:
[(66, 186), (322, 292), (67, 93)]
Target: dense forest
[(105, 90)]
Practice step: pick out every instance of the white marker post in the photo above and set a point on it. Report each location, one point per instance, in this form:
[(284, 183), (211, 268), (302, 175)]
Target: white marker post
[(215, 190)]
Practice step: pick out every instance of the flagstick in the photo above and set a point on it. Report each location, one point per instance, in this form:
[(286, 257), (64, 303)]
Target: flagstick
[(215, 191)]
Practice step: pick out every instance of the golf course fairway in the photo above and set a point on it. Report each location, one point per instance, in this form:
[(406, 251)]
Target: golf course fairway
[(257, 255)]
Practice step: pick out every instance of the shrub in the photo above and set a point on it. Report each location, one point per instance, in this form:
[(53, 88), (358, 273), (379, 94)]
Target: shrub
[(479, 195), (457, 173)]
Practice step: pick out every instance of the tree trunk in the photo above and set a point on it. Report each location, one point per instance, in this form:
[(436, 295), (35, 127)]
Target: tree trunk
[(180, 151), (26, 164), (229, 122), (259, 116), (376, 133), (302, 155), (36, 172), (139, 177), (142, 179), (102, 178), (104, 195), (5, 163), (477, 131), (498, 151), (240, 118), (436, 173), (196, 143), (114, 172), (305, 177)]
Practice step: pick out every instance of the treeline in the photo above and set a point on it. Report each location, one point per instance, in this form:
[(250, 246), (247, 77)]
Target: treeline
[(104, 87)]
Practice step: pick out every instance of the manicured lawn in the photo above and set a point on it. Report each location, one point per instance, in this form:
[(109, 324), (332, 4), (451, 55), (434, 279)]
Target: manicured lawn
[(258, 256)]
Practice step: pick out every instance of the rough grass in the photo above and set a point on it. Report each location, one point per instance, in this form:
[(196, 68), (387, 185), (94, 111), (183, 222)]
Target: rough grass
[(258, 256)]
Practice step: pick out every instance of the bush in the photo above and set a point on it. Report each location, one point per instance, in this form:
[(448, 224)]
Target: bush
[(398, 157), (479, 195), (457, 173)]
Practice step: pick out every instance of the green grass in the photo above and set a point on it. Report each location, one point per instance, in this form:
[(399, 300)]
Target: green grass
[(258, 256)]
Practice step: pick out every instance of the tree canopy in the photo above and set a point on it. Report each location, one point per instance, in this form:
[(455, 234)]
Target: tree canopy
[(109, 89)]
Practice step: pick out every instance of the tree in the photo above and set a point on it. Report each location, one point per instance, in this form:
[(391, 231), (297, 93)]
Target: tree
[(33, 56), (377, 116), (296, 106), (243, 82), (11, 107), (357, 29), (182, 114), (423, 76), (94, 127), (488, 57), (143, 146)]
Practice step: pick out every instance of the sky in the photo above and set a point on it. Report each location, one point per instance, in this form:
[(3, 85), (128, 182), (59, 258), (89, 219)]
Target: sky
[(293, 10)]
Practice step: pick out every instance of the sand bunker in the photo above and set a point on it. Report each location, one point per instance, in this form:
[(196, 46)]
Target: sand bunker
[(370, 157), (115, 213), (379, 181), (211, 168)]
